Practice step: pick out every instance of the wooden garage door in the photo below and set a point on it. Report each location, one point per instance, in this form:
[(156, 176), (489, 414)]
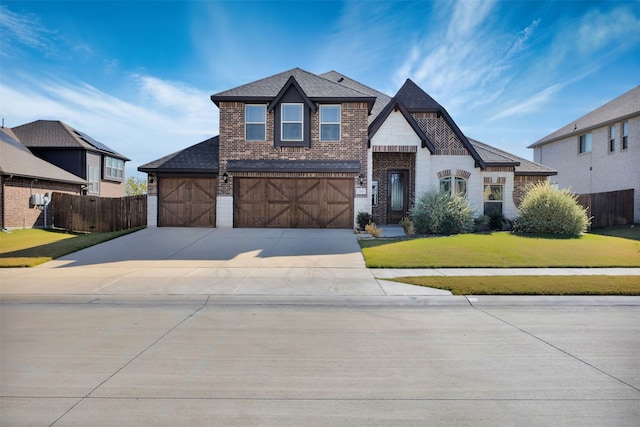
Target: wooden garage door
[(187, 202), (293, 203)]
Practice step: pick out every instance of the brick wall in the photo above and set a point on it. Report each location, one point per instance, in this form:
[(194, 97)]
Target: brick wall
[(521, 184), (15, 209), (382, 164), (111, 189), (352, 146)]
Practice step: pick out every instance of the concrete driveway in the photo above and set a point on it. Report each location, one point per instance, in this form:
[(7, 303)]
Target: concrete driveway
[(197, 261)]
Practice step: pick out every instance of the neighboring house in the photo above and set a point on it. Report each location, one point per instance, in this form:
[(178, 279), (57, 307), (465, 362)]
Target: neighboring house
[(77, 153), (599, 152), (25, 180), (303, 150)]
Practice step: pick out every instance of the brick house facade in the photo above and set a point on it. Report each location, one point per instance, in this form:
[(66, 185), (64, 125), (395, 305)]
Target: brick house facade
[(276, 168)]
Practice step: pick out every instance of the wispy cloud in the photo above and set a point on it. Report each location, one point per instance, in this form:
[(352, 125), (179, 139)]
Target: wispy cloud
[(529, 105), (24, 30)]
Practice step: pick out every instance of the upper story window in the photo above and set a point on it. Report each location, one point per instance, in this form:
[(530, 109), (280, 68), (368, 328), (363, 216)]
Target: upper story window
[(291, 122), (113, 168), (94, 180), (255, 122), (585, 143), (612, 138), (625, 135), (330, 123), (454, 185)]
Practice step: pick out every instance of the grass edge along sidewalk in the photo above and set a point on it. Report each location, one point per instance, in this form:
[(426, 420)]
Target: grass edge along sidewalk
[(30, 247), (530, 285), (502, 250)]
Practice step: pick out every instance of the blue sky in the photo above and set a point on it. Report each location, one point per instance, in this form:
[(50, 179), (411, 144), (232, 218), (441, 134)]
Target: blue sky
[(137, 75)]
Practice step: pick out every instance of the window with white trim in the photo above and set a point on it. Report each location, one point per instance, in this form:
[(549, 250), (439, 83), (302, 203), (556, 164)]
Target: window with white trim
[(612, 138), (113, 168), (493, 198), (330, 122), (454, 185), (291, 122), (625, 135), (584, 145), (94, 180), (255, 122)]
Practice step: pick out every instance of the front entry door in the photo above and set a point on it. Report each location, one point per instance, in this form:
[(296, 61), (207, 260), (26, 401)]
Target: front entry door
[(398, 196)]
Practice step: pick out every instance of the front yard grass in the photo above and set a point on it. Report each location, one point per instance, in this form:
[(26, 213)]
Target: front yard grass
[(530, 285), (30, 247), (503, 250)]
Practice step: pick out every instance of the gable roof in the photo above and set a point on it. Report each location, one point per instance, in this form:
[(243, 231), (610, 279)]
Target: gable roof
[(16, 159), (394, 105), (382, 99), (56, 134), (201, 157), (415, 100), (317, 88), (625, 106), (493, 156)]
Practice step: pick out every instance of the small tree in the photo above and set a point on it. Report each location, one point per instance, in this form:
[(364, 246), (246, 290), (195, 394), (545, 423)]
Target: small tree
[(437, 212), (548, 210), (135, 186)]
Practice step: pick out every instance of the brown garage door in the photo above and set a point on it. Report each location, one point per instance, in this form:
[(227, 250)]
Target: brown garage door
[(293, 203), (187, 202)]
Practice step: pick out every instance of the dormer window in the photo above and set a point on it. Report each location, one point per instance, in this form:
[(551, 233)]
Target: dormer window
[(292, 122)]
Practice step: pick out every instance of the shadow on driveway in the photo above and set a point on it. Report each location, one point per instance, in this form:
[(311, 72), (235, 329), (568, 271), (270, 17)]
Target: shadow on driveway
[(226, 247)]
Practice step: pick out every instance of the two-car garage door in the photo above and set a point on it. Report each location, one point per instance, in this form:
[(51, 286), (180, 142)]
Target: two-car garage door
[(258, 202), (293, 202)]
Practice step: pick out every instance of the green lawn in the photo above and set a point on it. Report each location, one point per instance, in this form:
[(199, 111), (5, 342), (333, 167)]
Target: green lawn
[(503, 250), (30, 247), (531, 285)]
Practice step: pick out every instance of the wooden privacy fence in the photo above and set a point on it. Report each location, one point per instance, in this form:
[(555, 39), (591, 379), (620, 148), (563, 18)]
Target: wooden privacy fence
[(98, 214), (610, 208)]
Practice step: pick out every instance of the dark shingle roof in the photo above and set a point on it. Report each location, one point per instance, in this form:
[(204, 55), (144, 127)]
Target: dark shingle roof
[(16, 159), (201, 157), (315, 87), (416, 99), (625, 106), (382, 99), (293, 166), (496, 157), (56, 134)]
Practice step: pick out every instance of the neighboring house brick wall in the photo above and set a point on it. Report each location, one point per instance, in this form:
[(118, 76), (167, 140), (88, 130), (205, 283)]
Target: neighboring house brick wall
[(600, 170), (17, 211), (111, 189)]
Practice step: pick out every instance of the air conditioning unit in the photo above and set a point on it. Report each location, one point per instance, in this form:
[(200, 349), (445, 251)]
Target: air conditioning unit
[(36, 200)]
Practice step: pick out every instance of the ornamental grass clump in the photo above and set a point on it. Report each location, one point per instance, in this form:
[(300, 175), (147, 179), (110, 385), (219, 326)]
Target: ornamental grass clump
[(438, 212), (546, 210)]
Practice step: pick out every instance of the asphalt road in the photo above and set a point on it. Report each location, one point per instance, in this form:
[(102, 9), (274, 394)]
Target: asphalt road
[(293, 361)]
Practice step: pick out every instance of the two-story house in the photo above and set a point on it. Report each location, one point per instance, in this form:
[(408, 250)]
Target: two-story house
[(26, 183), (303, 150), (598, 152), (78, 154)]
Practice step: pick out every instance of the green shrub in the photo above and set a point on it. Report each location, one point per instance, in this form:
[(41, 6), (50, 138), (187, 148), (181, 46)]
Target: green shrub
[(363, 219), (496, 222), (547, 210), (437, 212)]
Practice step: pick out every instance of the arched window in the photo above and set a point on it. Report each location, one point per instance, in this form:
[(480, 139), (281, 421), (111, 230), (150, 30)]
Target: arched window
[(454, 185)]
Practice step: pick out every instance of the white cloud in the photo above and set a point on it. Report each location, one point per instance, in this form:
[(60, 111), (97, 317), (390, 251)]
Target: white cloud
[(162, 117), (25, 30), (529, 105)]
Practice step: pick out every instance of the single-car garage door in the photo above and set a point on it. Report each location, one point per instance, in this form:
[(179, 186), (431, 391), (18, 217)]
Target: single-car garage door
[(186, 202), (293, 202)]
